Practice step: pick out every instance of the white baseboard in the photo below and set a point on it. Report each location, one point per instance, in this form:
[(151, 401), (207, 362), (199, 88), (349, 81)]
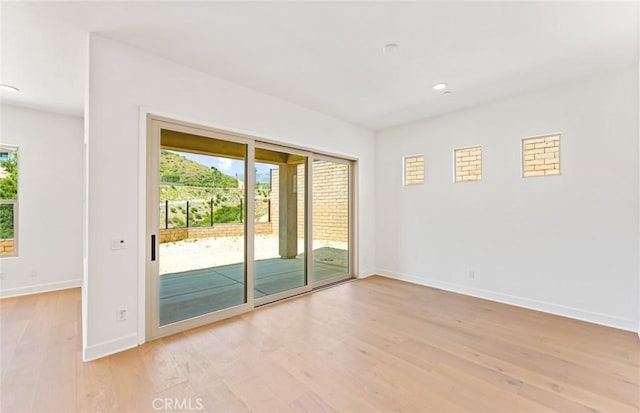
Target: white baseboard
[(545, 307), (110, 347), (40, 288), (367, 273)]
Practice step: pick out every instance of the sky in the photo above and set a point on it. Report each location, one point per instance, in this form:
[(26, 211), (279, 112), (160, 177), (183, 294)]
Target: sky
[(231, 167)]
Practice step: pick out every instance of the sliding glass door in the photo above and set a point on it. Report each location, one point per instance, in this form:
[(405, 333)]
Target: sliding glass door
[(280, 244), (234, 223), (200, 272), (331, 220), (198, 240)]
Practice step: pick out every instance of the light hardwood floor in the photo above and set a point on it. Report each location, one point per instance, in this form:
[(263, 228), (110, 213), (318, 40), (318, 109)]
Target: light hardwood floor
[(374, 345)]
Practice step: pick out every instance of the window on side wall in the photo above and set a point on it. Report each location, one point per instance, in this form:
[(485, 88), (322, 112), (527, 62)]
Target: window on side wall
[(8, 201), (541, 156), (468, 164), (413, 170)]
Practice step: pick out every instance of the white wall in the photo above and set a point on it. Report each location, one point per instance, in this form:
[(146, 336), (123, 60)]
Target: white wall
[(121, 81), (50, 201), (565, 244)]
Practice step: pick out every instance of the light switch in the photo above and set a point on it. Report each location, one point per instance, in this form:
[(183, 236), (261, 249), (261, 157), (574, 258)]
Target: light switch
[(118, 244)]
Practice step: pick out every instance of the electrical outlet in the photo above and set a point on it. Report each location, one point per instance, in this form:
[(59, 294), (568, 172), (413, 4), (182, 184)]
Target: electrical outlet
[(472, 274), (121, 315)]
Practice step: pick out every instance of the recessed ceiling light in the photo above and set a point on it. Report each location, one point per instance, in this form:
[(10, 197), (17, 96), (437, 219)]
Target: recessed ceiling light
[(9, 88), (390, 48), (439, 86), (447, 92)]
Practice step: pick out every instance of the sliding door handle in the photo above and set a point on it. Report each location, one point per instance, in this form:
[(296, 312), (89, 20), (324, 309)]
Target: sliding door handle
[(153, 247)]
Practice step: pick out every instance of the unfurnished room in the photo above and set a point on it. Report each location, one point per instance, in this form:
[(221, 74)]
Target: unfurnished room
[(319, 206)]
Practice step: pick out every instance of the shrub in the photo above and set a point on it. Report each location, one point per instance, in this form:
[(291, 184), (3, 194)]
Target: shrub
[(227, 214), (6, 221)]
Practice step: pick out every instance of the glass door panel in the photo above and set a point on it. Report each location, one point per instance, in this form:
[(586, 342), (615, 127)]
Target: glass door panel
[(213, 254), (202, 232), (330, 219), (280, 226)]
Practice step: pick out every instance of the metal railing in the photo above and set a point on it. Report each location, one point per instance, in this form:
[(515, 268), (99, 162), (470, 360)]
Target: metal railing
[(203, 213)]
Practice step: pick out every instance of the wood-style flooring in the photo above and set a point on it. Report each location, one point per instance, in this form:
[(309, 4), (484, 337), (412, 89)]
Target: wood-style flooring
[(373, 345)]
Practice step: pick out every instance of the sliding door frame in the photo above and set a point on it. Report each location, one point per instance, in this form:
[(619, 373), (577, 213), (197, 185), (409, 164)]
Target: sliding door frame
[(351, 239), (154, 123), (153, 328), (307, 217)]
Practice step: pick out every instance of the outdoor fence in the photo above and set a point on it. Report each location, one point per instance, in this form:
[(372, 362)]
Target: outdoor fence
[(199, 213)]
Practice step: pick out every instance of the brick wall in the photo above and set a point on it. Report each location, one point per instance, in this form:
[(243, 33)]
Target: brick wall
[(7, 247), (330, 203), (468, 164), (541, 156), (173, 235), (216, 231), (414, 170), (229, 230), (275, 200), (301, 199)]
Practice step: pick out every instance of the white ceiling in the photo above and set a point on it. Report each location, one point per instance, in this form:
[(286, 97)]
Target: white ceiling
[(328, 56)]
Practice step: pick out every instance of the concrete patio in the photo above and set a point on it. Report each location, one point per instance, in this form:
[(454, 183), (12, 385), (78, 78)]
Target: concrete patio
[(196, 292)]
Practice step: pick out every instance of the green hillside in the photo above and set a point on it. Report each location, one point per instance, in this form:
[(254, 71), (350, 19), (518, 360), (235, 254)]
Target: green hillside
[(176, 169), (209, 195)]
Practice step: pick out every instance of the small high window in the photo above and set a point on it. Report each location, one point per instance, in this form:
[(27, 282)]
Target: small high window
[(541, 156), (413, 170), (468, 164)]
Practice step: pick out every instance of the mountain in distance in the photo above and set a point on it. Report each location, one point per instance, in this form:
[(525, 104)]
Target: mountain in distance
[(176, 169), (261, 177)]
